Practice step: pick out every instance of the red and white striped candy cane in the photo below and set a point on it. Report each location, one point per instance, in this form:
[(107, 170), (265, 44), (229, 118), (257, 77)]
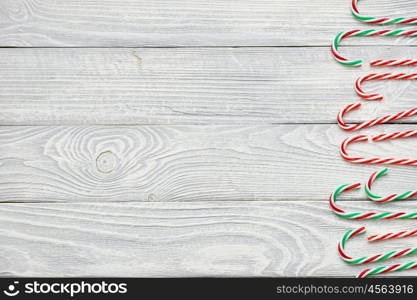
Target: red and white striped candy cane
[(384, 76), (392, 235), (381, 120), (377, 138), (375, 97)]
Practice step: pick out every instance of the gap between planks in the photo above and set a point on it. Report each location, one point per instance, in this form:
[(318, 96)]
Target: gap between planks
[(190, 86)]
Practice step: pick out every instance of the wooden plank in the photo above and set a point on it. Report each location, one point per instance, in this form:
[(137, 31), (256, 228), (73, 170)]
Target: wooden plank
[(185, 239), (189, 86), (188, 163), (134, 23)]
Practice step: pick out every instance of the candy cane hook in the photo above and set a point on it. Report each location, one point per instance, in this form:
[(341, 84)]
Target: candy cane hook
[(378, 138), (384, 76), (364, 215), (374, 258), (371, 32), (389, 198), (380, 20), (381, 120)]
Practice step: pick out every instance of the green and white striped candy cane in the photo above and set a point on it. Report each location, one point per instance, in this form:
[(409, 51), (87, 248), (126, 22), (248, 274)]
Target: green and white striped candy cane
[(364, 215), (374, 258), (371, 258), (369, 33), (389, 198), (387, 269), (380, 20)]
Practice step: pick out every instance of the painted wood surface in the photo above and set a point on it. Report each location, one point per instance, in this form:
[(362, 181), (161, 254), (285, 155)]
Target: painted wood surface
[(245, 238), (188, 138), (187, 163), (135, 23), (191, 86)]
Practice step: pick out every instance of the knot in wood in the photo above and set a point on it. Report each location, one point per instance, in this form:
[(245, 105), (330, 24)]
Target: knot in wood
[(106, 162)]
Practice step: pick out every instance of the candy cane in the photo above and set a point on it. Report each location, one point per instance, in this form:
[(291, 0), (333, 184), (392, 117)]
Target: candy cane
[(380, 20), (371, 32), (375, 97), (368, 259), (378, 138), (384, 76), (389, 198), (381, 120), (374, 258), (364, 215), (387, 269), (392, 235)]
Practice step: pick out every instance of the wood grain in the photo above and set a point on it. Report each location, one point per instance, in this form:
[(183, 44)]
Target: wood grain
[(185, 239), (190, 86), (134, 23), (187, 163), (215, 182)]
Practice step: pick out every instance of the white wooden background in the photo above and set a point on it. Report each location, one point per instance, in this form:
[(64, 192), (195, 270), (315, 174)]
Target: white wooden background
[(187, 138)]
